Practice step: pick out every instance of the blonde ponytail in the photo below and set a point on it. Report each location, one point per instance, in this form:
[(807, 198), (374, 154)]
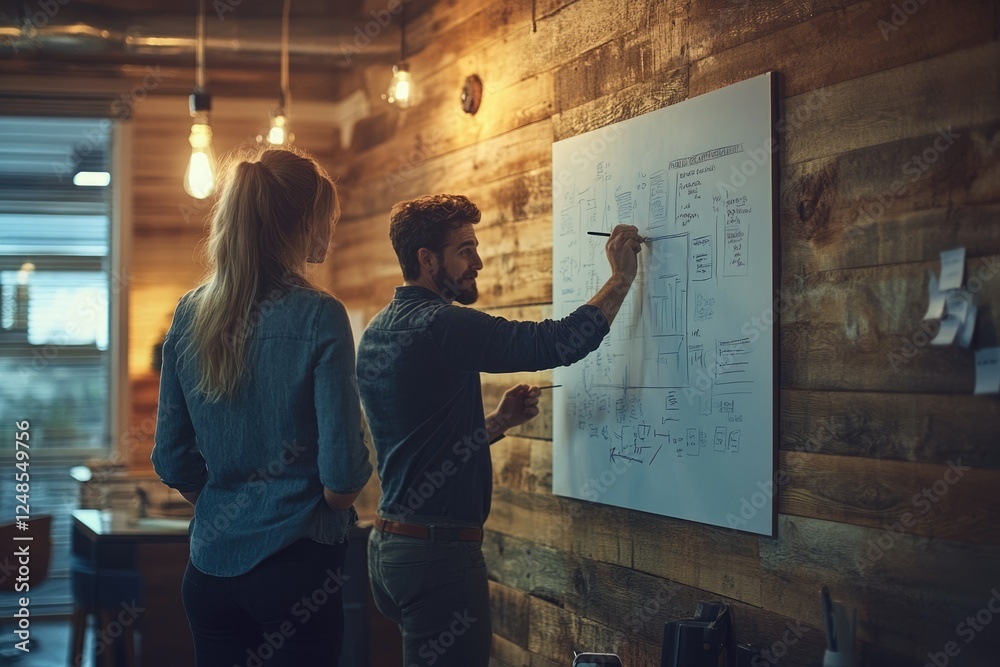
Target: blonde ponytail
[(272, 206)]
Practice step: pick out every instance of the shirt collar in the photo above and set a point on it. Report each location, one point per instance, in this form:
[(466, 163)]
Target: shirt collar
[(416, 292)]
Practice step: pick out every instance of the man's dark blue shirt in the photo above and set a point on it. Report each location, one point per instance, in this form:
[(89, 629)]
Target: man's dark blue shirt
[(418, 373)]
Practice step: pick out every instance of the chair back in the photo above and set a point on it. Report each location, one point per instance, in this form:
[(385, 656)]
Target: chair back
[(39, 549)]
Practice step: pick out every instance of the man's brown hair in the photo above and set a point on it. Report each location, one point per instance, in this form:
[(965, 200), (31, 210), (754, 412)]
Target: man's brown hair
[(425, 222)]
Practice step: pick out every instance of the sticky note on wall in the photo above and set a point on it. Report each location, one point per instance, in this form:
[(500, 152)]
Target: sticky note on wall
[(952, 268), (936, 299), (988, 371)]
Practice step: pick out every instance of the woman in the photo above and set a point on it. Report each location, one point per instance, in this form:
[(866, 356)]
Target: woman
[(259, 423)]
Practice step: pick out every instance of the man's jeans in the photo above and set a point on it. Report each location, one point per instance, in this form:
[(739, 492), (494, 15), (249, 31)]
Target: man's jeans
[(436, 592)]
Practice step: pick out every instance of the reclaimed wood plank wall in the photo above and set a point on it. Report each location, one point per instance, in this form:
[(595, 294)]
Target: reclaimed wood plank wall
[(872, 419)]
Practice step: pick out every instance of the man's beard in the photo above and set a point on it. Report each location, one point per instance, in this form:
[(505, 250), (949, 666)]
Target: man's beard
[(453, 291)]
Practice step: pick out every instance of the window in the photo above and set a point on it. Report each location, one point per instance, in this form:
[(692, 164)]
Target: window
[(58, 293), (55, 282)]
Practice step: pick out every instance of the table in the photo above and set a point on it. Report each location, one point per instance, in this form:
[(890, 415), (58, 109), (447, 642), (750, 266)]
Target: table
[(156, 548)]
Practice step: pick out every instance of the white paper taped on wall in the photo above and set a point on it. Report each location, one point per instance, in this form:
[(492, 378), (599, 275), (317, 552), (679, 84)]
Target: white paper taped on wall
[(949, 303), (673, 414)]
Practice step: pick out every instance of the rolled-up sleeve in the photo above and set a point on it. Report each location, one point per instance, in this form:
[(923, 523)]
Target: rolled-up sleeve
[(471, 340), (176, 458), (342, 456)]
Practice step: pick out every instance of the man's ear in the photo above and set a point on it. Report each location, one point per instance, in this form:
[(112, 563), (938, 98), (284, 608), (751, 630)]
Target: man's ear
[(428, 261)]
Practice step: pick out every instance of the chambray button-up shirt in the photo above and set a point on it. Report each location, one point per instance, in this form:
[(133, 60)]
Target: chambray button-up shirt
[(262, 457), (418, 367)]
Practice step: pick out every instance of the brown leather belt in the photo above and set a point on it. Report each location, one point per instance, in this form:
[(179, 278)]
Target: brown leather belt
[(429, 532)]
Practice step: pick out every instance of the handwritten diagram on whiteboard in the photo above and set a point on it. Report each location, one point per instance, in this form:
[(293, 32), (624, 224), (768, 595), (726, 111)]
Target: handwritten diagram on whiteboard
[(673, 414)]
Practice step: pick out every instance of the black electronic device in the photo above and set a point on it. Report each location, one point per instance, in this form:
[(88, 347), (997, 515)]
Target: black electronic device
[(597, 660), (707, 640)]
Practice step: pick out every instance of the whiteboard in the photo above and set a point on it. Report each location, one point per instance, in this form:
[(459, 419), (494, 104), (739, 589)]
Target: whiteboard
[(674, 413)]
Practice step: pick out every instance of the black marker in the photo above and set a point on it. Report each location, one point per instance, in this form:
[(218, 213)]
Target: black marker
[(645, 240)]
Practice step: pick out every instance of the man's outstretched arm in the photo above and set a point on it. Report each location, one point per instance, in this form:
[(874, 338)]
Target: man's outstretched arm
[(471, 340)]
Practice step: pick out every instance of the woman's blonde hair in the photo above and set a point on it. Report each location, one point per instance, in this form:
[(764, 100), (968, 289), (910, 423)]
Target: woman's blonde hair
[(274, 208)]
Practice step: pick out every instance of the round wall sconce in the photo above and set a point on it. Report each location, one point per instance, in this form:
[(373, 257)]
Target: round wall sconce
[(472, 94)]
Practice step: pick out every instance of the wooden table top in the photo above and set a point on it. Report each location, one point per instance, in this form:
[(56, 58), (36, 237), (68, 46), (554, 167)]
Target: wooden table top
[(123, 526)]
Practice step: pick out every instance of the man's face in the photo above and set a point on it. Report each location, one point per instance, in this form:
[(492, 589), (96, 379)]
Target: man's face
[(458, 266)]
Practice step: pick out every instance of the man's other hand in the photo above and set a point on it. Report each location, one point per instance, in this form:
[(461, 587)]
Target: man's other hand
[(518, 405)]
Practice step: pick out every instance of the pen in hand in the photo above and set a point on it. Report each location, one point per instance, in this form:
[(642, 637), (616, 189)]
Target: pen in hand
[(644, 239)]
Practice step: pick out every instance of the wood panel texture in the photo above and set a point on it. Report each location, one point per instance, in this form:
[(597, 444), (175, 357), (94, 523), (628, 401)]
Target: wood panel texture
[(889, 151)]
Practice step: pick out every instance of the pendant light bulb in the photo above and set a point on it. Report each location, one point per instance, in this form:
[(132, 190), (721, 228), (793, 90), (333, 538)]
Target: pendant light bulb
[(401, 88), (199, 179), (278, 134)]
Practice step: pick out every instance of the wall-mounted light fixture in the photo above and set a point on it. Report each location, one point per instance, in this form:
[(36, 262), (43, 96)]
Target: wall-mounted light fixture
[(199, 179), (472, 94)]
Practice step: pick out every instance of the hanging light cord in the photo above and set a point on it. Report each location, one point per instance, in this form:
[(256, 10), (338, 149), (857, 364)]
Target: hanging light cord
[(402, 34), (286, 97), (199, 80)]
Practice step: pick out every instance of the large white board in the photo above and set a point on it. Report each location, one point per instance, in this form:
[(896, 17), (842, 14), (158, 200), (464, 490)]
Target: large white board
[(673, 414)]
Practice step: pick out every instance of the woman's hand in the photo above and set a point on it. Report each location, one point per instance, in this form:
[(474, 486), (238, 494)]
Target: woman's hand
[(339, 501), (191, 496)]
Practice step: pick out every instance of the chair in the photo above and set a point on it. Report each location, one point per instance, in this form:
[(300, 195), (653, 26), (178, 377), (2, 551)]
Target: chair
[(101, 593), (40, 553)]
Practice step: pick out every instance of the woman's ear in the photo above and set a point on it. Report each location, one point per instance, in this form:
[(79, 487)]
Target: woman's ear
[(317, 249), (317, 255), (319, 242)]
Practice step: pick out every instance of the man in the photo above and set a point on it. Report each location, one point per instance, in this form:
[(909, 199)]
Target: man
[(418, 371)]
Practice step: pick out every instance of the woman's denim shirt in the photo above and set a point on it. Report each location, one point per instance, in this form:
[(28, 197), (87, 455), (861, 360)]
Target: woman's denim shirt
[(262, 457)]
